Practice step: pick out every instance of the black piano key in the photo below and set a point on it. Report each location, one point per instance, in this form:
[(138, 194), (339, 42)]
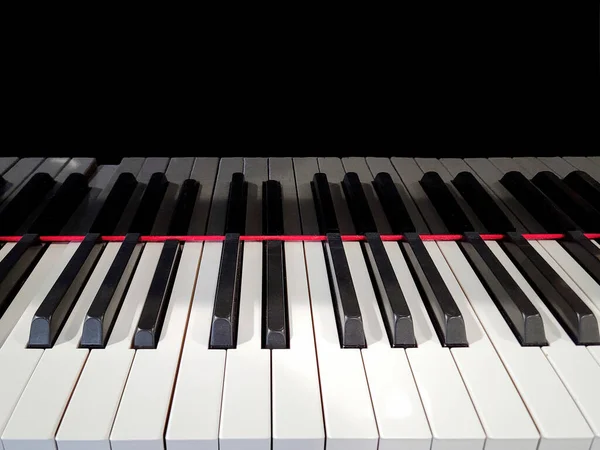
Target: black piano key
[(223, 332), (109, 214), (392, 304), (149, 204), (61, 206), (272, 208), (586, 186), (392, 204), (358, 204), (105, 307), (2, 183), (443, 310), (182, 214), (16, 266), (539, 206), (518, 311), (445, 204), (324, 204), (56, 306), (153, 313), (235, 221), (520, 314), (482, 203), (24, 202), (572, 313), (275, 312), (569, 201), (345, 302)]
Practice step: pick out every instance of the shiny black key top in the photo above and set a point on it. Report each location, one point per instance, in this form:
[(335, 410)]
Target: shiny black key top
[(324, 204), (16, 266), (275, 333), (392, 304), (272, 208), (24, 202), (149, 204), (182, 214), (584, 185), (275, 315), (345, 302), (358, 204), (584, 252), (392, 204), (482, 203), (443, 310), (108, 217), (105, 307), (61, 206), (572, 313), (569, 201), (223, 332), (236, 204), (151, 320), (539, 205), (520, 314), (51, 315)]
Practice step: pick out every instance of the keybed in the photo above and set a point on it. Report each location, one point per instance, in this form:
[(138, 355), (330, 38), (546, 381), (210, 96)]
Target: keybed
[(300, 303)]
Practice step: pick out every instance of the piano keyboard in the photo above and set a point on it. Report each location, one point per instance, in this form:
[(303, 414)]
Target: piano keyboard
[(300, 303)]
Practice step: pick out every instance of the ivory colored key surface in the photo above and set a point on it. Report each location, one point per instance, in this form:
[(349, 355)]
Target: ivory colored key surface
[(556, 415), (347, 409), (40, 409), (194, 424), (246, 406), (295, 394), (14, 353), (144, 406), (400, 417)]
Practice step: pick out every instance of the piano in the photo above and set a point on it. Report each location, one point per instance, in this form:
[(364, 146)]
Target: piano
[(300, 303)]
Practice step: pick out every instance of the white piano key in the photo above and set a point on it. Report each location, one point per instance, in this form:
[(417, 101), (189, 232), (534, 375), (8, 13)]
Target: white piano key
[(552, 408), (14, 354), (505, 418), (246, 406), (95, 391), (144, 406), (296, 397), (576, 367), (399, 413), (452, 416), (40, 409), (575, 276), (196, 407), (349, 418), (89, 415)]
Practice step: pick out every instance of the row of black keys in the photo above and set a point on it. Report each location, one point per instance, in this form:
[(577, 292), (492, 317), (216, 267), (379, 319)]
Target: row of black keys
[(521, 315)]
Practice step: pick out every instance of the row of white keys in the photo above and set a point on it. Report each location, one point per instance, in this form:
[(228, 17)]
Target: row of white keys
[(14, 352), (552, 408), (399, 413), (107, 370), (246, 406), (144, 406), (449, 410), (196, 407), (297, 416), (347, 409), (35, 419), (503, 416)]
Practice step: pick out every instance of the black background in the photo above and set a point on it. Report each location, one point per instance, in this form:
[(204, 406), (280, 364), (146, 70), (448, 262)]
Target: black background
[(508, 79)]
